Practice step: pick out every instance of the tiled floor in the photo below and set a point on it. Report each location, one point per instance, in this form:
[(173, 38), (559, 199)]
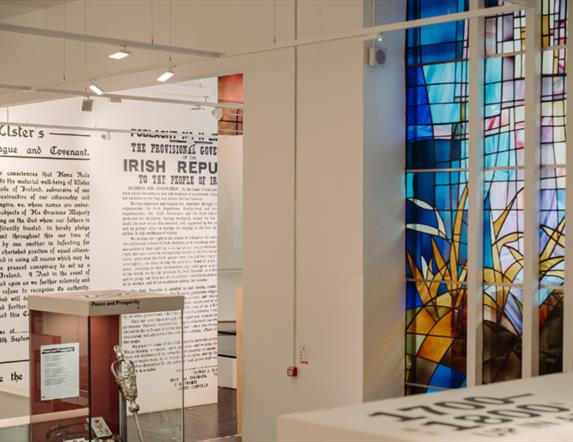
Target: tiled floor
[(205, 422), (213, 421)]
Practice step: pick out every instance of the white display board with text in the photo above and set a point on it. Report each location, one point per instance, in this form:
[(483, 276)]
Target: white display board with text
[(83, 210)]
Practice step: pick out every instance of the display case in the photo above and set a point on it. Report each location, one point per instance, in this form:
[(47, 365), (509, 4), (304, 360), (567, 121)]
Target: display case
[(106, 366)]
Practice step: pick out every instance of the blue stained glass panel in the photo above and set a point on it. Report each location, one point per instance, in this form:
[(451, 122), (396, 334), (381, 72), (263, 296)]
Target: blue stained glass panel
[(504, 112), (436, 111), (503, 226), (436, 207), (436, 43), (436, 217)]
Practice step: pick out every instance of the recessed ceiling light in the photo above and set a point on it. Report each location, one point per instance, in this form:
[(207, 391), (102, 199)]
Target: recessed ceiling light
[(166, 75), (95, 89), (121, 54)]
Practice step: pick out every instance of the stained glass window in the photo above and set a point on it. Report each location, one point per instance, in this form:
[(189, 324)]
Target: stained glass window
[(436, 187), (502, 333), (437, 161), (553, 173), (504, 33), (504, 95), (504, 120), (503, 226), (435, 335)]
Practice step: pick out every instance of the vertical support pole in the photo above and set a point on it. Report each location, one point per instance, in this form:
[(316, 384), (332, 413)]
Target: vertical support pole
[(475, 199), (183, 383), (295, 194), (239, 343), (530, 345), (122, 406), (568, 286)]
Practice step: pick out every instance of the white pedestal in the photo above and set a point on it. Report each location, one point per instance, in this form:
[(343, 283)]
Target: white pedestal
[(537, 409)]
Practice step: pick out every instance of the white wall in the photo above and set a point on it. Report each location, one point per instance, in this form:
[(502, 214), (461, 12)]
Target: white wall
[(349, 162), (349, 219), (268, 259), (230, 227), (329, 207)]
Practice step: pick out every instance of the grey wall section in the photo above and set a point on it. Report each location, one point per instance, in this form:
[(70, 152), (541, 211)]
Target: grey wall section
[(384, 138)]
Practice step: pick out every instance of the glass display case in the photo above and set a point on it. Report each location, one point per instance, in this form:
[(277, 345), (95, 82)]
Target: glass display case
[(106, 366)]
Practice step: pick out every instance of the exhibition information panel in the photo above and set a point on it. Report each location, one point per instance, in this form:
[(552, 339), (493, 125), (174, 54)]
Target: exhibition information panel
[(137, 210)]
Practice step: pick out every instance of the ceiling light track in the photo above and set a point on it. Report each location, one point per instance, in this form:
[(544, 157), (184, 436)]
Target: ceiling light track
[(42, 32), (104, 130), (373, 32), (120, 97)]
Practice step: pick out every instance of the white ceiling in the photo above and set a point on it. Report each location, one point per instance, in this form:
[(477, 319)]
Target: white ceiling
[(12, 8), (39, 63)]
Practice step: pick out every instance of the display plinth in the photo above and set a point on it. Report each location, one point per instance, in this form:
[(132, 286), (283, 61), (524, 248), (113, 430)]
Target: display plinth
[(535, 409), (74, 340)]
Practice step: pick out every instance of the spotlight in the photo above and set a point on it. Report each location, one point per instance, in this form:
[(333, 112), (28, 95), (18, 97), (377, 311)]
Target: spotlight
[(166, 75), (121, 54), (374, 38), (95, 89)]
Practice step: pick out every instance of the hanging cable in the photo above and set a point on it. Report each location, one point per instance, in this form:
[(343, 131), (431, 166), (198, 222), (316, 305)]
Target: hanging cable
[(64, 45), (170, 29), (152, 21), (274, 21), (373, 13), (85, 40)]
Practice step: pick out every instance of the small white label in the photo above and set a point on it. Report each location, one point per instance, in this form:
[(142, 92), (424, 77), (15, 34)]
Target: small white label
[(303, 354), (60, 371)]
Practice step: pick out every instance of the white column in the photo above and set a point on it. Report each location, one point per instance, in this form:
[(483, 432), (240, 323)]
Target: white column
[(475, 200), (530, 356)]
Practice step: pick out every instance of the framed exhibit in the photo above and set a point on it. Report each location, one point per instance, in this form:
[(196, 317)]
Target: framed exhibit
[(83, 369)]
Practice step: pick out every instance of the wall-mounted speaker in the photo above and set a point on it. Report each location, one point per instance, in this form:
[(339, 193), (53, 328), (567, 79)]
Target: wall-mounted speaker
[(376, 56)]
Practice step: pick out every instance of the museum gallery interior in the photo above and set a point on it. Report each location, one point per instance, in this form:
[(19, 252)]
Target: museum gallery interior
[(284, 220)]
